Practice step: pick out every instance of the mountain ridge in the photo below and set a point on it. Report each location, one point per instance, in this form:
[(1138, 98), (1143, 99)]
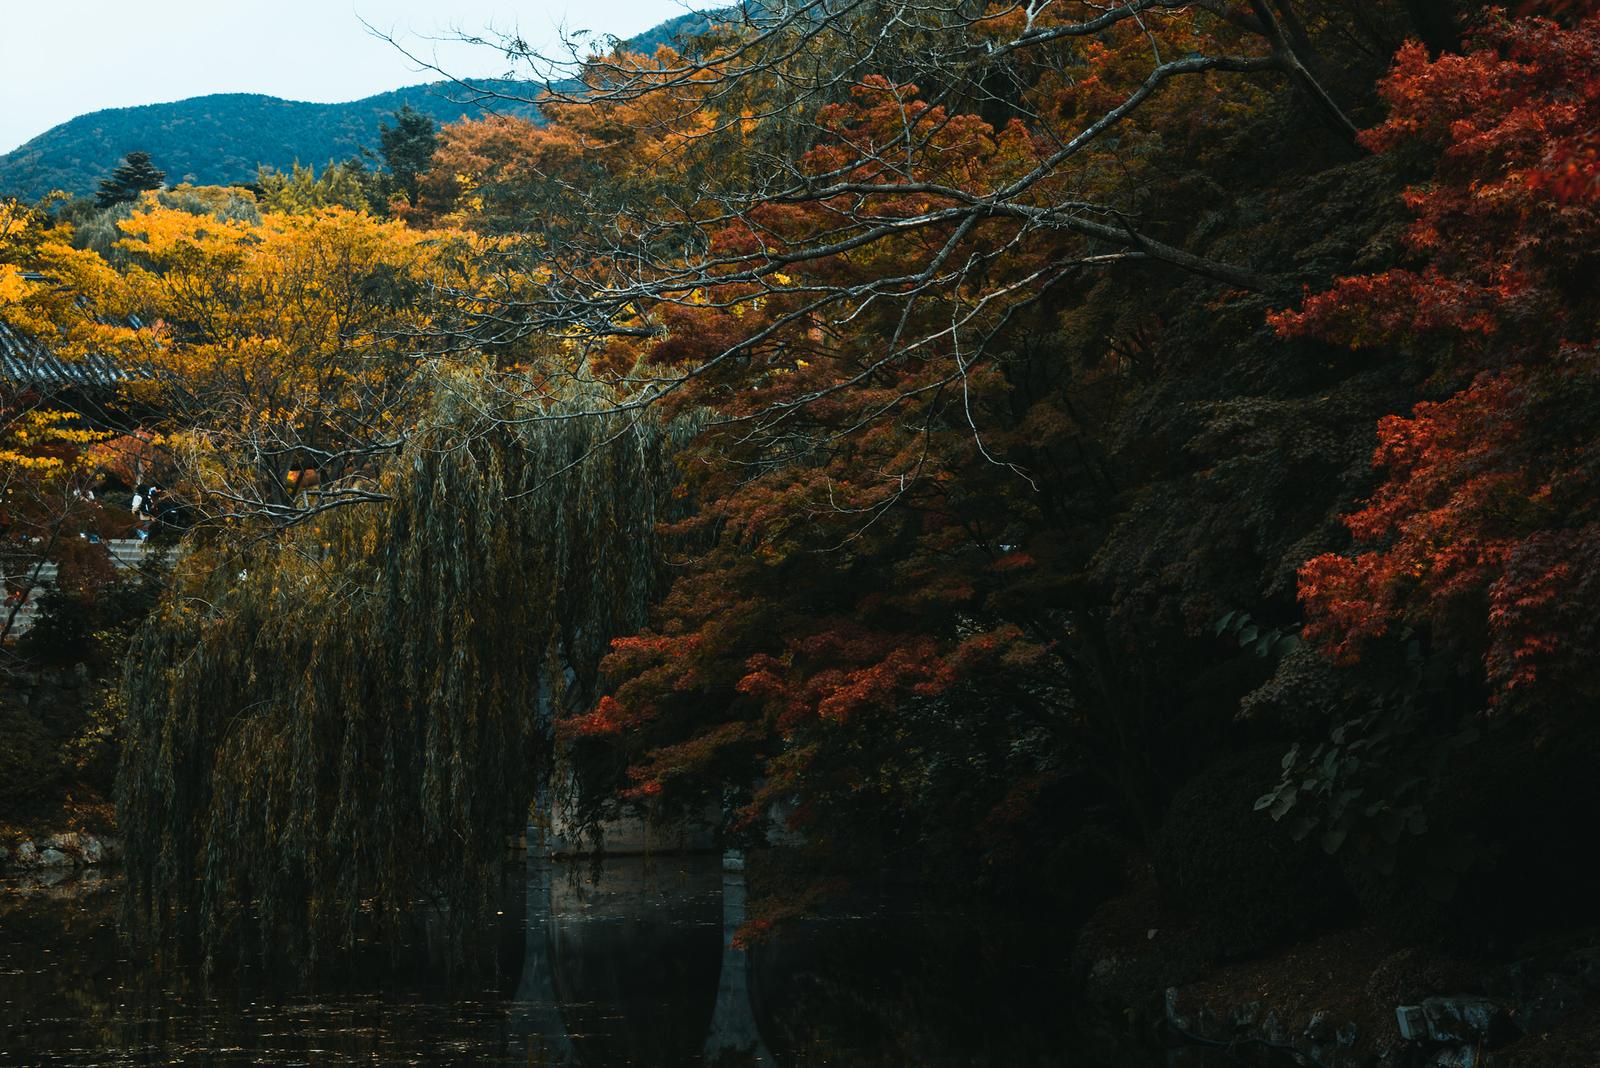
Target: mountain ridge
[(221, 138)]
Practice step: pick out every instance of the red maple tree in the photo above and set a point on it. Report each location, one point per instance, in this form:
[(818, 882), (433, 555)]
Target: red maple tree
[(1486, 527)]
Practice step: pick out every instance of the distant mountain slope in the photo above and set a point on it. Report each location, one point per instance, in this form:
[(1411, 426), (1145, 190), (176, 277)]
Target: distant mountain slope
[(213, 139), (224, 138)]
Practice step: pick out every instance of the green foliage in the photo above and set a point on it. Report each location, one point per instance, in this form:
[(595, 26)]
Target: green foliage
[(1368, 789), (95, 228), (134, 175), (29, 764), (407, 147), (340, 185), (65, 731), (1243, 877), (223, 203), (215, 140), (1257, 638), (352, 720), (93, 627)]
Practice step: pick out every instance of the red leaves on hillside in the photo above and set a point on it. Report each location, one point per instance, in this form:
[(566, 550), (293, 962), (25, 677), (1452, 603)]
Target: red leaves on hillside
[(1485, 523)]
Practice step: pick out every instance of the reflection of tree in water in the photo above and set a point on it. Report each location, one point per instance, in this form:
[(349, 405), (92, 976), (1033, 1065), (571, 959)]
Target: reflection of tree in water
[(45, 988), (631, 962), (628, 963), (536, 1024)]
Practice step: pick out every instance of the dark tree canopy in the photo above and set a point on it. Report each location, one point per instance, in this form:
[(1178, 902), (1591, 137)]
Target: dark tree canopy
[(134, 175), (408, 146)]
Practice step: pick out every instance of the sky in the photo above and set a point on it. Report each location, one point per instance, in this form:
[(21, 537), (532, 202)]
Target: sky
[(61, 58)]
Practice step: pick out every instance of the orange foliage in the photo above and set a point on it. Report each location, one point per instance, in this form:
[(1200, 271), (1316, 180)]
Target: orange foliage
[(1486, 519)]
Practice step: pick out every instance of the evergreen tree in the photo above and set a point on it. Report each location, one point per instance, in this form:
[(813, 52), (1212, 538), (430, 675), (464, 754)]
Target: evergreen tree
[(132, 176), (408, 148)]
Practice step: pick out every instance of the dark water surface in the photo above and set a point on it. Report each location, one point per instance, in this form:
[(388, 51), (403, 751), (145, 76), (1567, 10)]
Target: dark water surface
[(625, 963)]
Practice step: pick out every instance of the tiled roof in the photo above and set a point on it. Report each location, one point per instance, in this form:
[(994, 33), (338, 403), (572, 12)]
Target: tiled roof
[(25, 362)]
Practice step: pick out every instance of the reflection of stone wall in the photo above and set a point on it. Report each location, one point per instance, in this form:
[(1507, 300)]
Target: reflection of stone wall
[(635, 948), (622, 960)]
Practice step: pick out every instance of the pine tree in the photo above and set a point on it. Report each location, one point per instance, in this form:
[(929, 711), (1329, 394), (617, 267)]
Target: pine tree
[(408, 147), (132, 176)]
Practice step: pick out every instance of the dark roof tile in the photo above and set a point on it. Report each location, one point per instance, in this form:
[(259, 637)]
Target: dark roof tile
[(26, 362)]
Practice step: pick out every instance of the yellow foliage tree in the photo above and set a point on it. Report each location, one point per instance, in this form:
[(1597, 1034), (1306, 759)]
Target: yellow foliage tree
[(62, 303), (340, 185), (290, 351), (66, 298)]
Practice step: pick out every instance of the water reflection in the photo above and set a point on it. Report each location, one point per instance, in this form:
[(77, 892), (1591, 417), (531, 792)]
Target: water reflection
[(621, 965), (734, 1033), (629, 962)]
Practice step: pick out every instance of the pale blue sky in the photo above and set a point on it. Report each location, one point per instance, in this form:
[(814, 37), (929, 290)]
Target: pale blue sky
[(60, 58)]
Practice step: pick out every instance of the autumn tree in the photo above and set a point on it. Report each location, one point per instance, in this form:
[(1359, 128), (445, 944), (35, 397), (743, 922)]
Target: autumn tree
[(1482, 528), (340, 185), (850, 239), (53, 291), (1452, 663), (735, 120), (56, 303), (294, 344), (492, 174)]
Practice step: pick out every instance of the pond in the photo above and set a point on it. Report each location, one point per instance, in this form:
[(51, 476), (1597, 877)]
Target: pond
[(626, 962)]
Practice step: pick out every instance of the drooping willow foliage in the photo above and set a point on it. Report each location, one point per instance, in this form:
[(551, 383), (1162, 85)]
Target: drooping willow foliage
[(349, 722)]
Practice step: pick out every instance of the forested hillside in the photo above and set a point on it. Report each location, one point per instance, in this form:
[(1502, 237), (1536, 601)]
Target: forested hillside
[(1136, 463), (216, 140)]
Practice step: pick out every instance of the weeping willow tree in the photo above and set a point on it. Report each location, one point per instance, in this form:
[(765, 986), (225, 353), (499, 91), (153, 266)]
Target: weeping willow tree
[(349, 721)]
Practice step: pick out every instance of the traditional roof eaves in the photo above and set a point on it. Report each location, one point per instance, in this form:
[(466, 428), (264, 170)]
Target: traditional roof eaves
[(26, 362)]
